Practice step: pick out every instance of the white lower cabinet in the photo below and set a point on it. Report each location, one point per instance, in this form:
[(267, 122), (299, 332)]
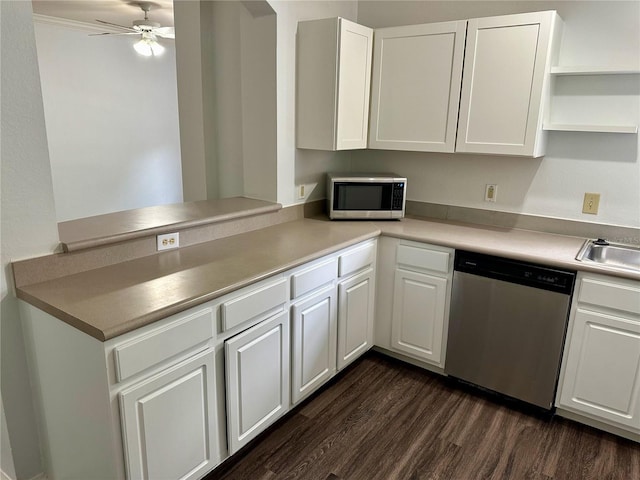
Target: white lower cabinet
[(257, 373), (600, 375), (412, 300), (313, 341), (151, 403), (166, 427), (142, 405), (355, 316), (419, 302), (332, 316)]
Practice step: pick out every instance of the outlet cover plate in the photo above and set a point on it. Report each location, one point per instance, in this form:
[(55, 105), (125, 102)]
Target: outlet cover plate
[(591, 203), (168, 241), (490, 192)]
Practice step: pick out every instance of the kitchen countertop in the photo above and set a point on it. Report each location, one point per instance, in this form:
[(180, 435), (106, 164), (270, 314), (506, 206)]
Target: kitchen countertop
[(109, 301), (120, 226)]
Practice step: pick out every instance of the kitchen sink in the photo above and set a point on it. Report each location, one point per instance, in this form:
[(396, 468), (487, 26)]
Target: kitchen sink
[(616, 255)]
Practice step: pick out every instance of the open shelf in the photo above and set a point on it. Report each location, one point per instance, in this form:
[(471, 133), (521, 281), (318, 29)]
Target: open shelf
[(591, 70), (559, 127)]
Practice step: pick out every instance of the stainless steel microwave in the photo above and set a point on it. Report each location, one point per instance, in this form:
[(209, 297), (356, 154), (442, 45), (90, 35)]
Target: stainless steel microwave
[(365, 195)]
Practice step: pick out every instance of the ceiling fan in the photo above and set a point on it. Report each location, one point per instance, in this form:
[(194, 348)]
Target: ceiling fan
[(149, 32)]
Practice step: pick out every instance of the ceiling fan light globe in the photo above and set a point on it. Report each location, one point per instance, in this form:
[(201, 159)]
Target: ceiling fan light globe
[(156, 48), (143, 47), (148, 47)]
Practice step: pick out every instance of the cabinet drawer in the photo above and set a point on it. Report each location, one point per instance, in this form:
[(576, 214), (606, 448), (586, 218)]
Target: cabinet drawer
[(253, 303), (144, 352), (620, 296), (356, 259), (423, 258), (312, 278)]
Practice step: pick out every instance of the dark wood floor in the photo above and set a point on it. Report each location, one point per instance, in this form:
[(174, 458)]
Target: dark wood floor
[(383, 419)]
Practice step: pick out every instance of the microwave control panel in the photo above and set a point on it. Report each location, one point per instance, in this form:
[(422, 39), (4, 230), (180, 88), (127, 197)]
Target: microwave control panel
[(398, 196)]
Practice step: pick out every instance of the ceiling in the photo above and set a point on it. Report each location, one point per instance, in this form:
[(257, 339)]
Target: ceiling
[(121, 12)]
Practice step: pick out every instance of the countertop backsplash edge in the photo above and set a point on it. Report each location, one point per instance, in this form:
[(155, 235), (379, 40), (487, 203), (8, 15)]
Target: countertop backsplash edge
[(557, 226)]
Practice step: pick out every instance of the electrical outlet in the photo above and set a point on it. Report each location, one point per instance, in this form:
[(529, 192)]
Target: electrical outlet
[(304, 190), (168, 241), (490, 192), (591, 203)]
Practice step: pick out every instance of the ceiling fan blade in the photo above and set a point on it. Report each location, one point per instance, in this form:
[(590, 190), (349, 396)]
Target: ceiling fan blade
[(165, 32), (115, 25), (110, 33)]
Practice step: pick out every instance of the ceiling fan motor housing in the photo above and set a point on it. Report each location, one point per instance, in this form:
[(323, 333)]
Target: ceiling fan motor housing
[(145, 24)]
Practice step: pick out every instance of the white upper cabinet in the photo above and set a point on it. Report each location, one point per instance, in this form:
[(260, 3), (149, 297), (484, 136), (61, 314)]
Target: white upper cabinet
[(506, 83), (417, 72), (333, 84), (476, 86)]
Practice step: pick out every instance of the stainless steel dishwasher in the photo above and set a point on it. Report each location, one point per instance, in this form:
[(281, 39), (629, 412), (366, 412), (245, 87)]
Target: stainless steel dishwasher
[(507, 325)]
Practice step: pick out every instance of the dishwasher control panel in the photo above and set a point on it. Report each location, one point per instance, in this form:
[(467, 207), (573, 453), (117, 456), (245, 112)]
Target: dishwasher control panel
[(515, 271)]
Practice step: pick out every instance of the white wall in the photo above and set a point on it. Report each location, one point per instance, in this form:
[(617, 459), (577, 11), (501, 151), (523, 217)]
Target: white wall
[(232, 148), (595, 33), (7, 468), (28, 220), (243, 80), (227, 98), (112, 121), (194, 144), (259, 116)]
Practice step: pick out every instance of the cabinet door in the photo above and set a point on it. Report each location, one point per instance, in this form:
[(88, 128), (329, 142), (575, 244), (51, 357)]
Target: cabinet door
[(168, 422), (417, 73), (355, 317), (354, 85), (257, 375), (602, 371), (313, 338), (418, 315), (506, 65), (333, 71)]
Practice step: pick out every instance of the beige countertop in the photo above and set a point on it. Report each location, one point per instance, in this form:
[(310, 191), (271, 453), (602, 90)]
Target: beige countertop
[(120, 226), (109, 301)]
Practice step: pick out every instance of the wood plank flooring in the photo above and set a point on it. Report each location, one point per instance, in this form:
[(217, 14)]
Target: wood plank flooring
[(383, 419)]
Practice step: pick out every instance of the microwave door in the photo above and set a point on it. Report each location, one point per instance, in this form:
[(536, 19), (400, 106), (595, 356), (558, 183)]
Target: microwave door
[(363, 200), (373, 197)]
